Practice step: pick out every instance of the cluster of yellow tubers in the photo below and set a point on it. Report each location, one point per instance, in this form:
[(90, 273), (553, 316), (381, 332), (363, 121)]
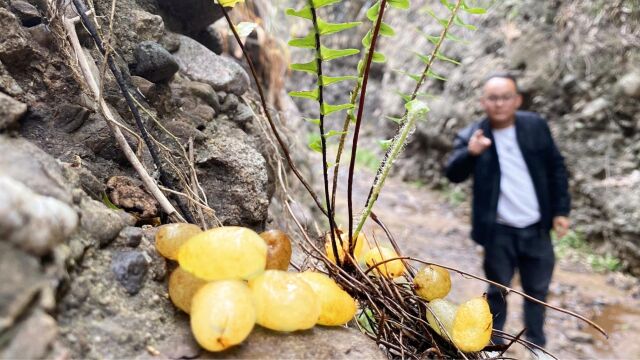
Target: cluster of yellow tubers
[(467, 326), (230, 278), (381, 258)]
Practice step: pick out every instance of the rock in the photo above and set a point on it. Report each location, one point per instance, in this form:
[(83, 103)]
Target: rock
[(41, 34), (201, 64), (27, 13), (193, 15), (26, 163), (70, 117), (183, 130), (337, 343), (84, 178), (230, 103), (101, 222), (148, 26), (154, 62), (7, 83), (14, 44), (130, 269), (128, 194), (204, 92), (203, 113), (236, 176), (32, 338), (595, 107), (243, 113), (130, 236), (578, 336), (171, 42), (21, 278), (33, 222), (11, 111), (146, 87), (630, 84)]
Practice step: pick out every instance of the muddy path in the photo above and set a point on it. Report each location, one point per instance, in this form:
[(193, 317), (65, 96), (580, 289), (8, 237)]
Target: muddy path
[(428, 227)]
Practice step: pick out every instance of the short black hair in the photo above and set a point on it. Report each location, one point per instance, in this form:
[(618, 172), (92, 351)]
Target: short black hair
[(502, 75)]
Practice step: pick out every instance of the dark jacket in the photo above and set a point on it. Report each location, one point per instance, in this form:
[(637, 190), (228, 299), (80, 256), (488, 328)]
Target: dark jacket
[(544, 161)]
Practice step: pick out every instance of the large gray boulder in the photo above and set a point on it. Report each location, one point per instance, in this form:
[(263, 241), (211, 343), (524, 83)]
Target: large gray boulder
[(203, 65)]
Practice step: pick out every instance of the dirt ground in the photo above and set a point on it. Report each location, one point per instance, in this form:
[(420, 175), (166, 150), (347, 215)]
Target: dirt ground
[(428, 227)]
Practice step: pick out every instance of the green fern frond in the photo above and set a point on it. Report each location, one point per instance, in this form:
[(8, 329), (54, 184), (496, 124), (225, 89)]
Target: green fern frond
[(328, 54), (387, 30), (330, 109), (322, 3), (307, 42), (332, 28), (399, 4), (310, 67), (307, 94), (304, 13), (328, 80)]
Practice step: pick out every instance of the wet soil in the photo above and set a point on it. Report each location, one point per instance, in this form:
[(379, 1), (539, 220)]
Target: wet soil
[(428, 227)]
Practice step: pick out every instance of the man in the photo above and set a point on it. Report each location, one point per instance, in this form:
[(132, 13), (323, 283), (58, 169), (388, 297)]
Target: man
[(520, 192)]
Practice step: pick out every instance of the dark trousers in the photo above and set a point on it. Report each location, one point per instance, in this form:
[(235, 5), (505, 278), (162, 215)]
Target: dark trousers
[(530, 251)]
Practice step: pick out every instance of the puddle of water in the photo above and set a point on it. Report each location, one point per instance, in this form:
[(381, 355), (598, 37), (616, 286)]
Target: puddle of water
[(620, 322)]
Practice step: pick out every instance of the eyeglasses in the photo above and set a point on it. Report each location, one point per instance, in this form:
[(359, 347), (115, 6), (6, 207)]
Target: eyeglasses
[(504, 98)]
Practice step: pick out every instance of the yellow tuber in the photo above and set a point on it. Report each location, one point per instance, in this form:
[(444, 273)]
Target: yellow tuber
[(228, 252), (337, 306), (222, 314), (284, 302)]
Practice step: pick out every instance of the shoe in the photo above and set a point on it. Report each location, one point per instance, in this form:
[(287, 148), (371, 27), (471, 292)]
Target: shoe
[(492, 354)]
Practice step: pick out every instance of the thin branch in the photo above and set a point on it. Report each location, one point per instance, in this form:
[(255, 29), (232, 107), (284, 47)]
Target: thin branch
[(356, 132), (323, 139)]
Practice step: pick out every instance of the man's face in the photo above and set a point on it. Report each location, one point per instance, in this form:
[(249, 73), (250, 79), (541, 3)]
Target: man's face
[(500, 100)]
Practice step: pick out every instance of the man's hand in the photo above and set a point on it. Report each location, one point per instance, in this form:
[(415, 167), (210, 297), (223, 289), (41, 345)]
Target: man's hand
[(561, 226), (478, 143)]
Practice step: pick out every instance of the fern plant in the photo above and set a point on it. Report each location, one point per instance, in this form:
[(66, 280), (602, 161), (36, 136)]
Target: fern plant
[(416, 109)]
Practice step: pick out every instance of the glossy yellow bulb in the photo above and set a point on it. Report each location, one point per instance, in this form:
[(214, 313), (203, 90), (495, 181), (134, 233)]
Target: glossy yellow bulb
[(284, 302), (432, 282), (171, 237), (390, 269), (222, 314), (222, 253), (279, 249), (472, 325), (182, 288), (445, 312), (361, 247), (337, 306)]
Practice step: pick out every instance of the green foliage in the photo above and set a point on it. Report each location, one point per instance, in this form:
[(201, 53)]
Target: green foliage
[(575, 246), (107, 202), (455, 13), (454, 194)]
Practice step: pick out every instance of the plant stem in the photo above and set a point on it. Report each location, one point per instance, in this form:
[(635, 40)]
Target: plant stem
[(263, 102), (323, 139), (396, 147), (356, 132)]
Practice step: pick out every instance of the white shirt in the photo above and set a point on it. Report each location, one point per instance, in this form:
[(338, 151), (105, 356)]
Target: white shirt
[(518, 204)]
